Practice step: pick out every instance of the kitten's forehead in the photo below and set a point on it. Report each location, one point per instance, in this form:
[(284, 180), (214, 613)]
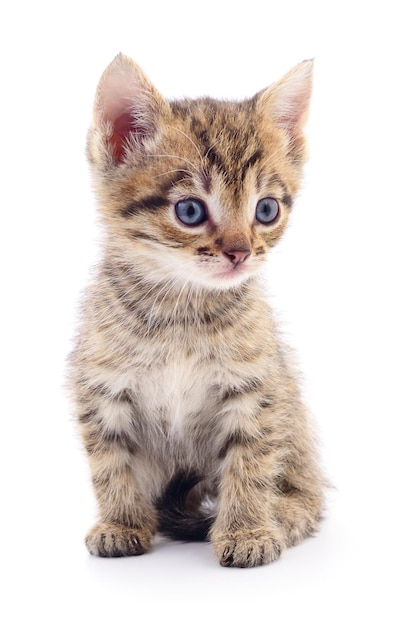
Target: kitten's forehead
[(224, 143), (225, 134)]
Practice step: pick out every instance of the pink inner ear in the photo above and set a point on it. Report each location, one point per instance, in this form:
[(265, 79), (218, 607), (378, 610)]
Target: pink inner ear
[(123, 124), (122, 128), (126, 126)]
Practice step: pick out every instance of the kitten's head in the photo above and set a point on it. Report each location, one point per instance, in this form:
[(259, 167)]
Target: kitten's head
[(196, 191)]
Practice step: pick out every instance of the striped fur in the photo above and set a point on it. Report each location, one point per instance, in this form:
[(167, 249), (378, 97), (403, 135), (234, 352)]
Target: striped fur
[(182, 389)]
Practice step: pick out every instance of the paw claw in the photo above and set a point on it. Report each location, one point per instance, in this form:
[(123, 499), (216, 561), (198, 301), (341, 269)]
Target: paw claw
[(227, 557), (247, 549), (110, 540)]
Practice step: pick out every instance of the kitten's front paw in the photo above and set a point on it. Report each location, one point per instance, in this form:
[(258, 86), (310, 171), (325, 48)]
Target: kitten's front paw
[(112, 540), (247, 548)]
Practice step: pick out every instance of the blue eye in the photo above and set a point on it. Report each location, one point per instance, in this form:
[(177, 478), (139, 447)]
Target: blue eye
[(267, 210), (191, 212)]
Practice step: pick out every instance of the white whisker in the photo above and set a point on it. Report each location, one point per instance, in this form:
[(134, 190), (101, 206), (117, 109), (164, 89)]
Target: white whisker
[(174, 156), (172, 172), (211, 147), (188, 138)]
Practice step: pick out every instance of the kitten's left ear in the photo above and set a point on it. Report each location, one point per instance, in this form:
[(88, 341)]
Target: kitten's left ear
[(287, 101)]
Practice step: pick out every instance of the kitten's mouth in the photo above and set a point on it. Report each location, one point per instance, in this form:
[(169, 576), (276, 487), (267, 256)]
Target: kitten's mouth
[(226, 274), (235, 272)]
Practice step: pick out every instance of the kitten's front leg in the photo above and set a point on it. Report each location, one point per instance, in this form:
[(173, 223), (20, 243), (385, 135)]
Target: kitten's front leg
[(245, 534), (127, 519)]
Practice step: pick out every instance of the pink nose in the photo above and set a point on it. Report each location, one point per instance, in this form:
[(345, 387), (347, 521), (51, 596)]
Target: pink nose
[(236, 257)]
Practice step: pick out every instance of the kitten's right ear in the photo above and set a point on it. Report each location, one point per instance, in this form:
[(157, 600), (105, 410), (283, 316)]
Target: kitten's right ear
[(126, 111)]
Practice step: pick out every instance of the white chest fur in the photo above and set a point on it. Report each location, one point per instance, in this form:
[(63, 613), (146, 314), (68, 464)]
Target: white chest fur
[(173, 392)]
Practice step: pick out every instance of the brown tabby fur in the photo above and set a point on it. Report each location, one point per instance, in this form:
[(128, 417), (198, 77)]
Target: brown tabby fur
[(179, 378)]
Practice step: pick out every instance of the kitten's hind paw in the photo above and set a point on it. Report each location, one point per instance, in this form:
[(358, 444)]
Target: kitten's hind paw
[(247, 549), (111, 540)]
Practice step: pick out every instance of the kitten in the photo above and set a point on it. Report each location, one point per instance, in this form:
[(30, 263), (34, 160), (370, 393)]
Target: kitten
[(183, 391)]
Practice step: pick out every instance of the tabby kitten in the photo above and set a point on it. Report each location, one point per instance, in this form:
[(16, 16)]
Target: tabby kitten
[(187, 404)]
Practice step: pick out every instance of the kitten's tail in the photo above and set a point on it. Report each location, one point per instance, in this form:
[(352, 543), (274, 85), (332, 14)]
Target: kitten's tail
[(175, 519)]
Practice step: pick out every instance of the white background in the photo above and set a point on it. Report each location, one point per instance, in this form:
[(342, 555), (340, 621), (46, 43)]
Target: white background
[(337, 281)]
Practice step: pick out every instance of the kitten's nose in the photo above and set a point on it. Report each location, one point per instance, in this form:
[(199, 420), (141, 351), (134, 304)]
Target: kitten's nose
[(237, 256)]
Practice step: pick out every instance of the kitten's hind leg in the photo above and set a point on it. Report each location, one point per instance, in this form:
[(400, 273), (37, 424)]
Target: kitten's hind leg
[(298, 513)]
